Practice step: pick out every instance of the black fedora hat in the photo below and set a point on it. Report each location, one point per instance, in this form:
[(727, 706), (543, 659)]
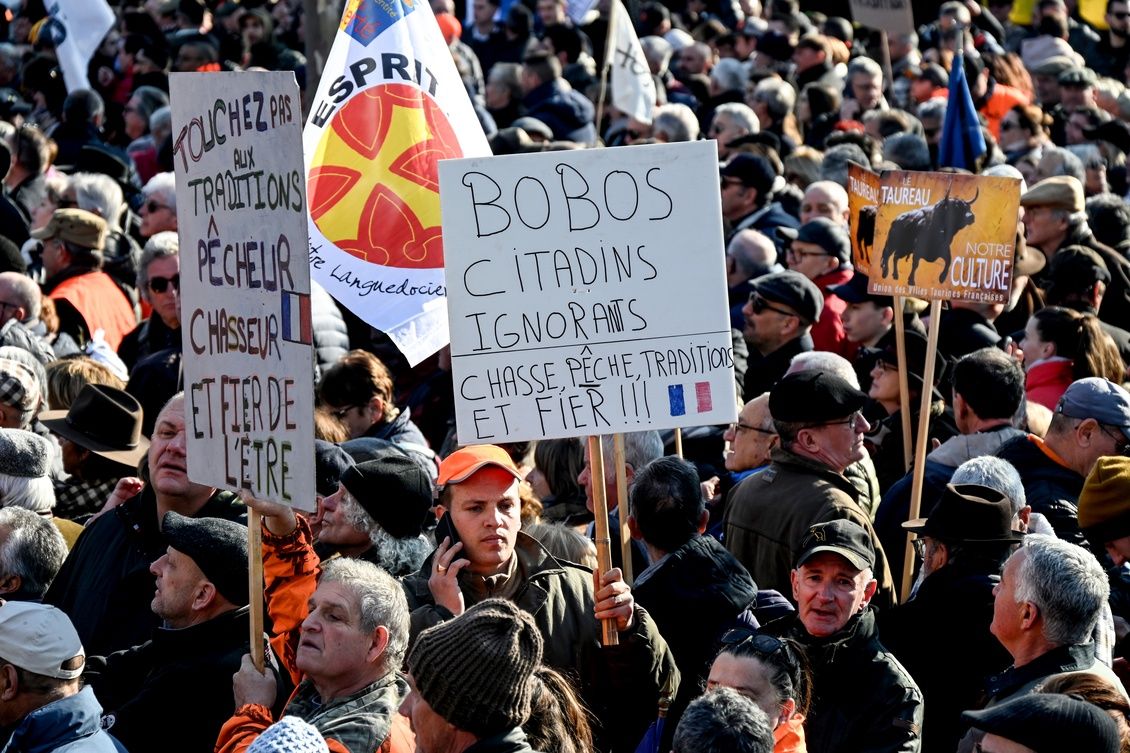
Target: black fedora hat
[(968, 513), (105, 420)]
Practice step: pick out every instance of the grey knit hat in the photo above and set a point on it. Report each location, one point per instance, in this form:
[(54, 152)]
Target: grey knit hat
[(290, 734), (476, 671)]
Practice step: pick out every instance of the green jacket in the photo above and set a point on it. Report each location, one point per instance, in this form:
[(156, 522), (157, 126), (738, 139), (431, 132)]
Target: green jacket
[(621, 685)]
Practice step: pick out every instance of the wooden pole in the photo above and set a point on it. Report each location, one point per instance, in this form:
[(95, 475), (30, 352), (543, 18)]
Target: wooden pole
[(904, 388), (606, 67), (622, 505), (609, 635), (255, 584), (679, 442), (923, 442), (888, 71)]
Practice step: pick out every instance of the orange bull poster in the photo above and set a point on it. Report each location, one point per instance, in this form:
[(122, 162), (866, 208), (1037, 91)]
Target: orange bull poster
[(863, 202), (945, 236)]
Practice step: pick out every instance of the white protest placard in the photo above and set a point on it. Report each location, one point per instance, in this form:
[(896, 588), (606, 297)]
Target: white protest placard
[(891, 16), (587, 292), (245, 283)]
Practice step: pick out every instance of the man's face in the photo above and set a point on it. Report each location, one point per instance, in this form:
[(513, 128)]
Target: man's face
[(691, 60), (73, 455), (483, 13), (839, 443), (1119, 550), (585, 480), (1074, 95), (765, 327), (179, 580), (336, 529), (737, 199), (166, 304), (806, 58), (1008, 613), (54, 256), (865, 322), (189, 58), (724, 129), (810, 259), (168, 469), (1074, 128), (332, 644), (829, 591), (819, 203), (1047, 90), (135, 123), (1117, 15), (751, 438), (1043, 227), (486, 511), (997, 744), (433, 733), (156, 216), (933, 558), (867, 90), (884, 383), (550, 12)]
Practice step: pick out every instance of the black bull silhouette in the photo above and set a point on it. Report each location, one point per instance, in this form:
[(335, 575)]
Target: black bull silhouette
[(865, 233), (925, 234)]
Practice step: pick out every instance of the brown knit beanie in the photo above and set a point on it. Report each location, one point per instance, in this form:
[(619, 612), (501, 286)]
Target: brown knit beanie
[(1104, 503), (476, 671)]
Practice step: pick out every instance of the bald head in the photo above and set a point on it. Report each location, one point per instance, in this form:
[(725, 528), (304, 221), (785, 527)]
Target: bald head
[(750, 254), (824, 199), (21, 295)]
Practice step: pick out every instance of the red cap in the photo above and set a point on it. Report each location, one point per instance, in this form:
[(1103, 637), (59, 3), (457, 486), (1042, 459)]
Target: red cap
[(466, 462)]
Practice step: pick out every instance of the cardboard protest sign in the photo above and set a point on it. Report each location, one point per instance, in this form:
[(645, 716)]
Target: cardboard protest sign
[(945, 236), (892, 16), (245, 283), (587, 292), (863, 203)]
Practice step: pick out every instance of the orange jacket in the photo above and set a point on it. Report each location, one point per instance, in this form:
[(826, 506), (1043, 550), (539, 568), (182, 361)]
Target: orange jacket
[(100, 303), (290, 574), (1003, 99)]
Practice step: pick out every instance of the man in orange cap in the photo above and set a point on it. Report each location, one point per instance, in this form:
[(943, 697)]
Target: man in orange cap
[(483, 554)]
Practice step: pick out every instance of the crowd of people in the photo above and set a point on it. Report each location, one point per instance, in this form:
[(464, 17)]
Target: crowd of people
[(448, 598)]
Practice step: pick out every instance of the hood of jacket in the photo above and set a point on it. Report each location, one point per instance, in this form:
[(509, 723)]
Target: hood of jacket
[(956, 450), (702, 571), (58, 723)]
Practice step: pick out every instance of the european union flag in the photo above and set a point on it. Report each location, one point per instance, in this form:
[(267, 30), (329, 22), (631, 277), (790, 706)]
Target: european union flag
[(962, 141)]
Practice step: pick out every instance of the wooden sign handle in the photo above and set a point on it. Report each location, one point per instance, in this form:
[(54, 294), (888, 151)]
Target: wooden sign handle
[(609, 634)]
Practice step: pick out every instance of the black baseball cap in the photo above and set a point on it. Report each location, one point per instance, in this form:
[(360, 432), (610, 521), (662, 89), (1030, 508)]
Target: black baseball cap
[(793, 290), (752, 170), (855, 291), (843, 537)]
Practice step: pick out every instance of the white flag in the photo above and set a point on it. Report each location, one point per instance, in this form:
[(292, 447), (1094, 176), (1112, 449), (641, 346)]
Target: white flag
[(389, 106), (77, 27), (633, 89)]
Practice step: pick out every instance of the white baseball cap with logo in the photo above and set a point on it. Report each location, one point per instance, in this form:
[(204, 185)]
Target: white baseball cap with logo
[(40, 639)]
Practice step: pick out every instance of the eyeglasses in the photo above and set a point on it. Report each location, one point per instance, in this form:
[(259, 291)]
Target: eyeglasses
[(161, 284), (759, 305), (341, 413), (1121, 446), (152, 206), (762, 643), (740, 427), (919, 548), (853, 422), (798, 254)]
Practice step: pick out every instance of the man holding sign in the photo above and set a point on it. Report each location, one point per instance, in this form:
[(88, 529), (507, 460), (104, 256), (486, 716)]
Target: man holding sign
[(483, 554)]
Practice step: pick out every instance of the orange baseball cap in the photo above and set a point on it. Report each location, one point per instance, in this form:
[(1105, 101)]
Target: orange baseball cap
[(466, 462)]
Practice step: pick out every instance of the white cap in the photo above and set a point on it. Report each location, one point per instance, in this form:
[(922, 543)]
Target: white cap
[(39, 639)]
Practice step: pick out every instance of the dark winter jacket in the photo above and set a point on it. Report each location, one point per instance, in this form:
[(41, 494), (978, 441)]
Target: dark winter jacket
[(19, 335), (513, 741), (942, 638), (621, 684), (149, 337), (331, 336), (137, 686), (1050, 488), (567, 112), (863, 700), (762, 372), (105, 586)]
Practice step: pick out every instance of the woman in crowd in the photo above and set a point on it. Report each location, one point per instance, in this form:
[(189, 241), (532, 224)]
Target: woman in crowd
[(773, 673), (557, 464), (1025, 131), (1061, 345)]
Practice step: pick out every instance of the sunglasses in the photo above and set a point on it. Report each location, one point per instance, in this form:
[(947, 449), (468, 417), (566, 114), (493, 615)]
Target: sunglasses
[(759, 305), (762, 643), (161, 284), (152, 206), (1122, 447), (341, 413), (1122, 16)]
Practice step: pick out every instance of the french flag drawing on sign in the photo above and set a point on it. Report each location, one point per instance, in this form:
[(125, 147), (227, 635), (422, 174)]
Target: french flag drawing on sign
[(702, 395), (677, 399), (296, 326)]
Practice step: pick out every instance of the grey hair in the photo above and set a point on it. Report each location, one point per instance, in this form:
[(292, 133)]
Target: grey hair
[(397, 555), (1066, 583), (907, 150), (730, 75), (823, 360), (864, 65), (835, 167), (36, 494), (742, 114), (995, 473), (161, 124), (640, 448), (1066, 163), (381, 600), (164, 187), (753, 252), (677, 121), (150, 99), (25, 293), (159, 246), (932, 108), (99, 194), (780, 97), (723, 719), (658, 52), (34, 550)]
